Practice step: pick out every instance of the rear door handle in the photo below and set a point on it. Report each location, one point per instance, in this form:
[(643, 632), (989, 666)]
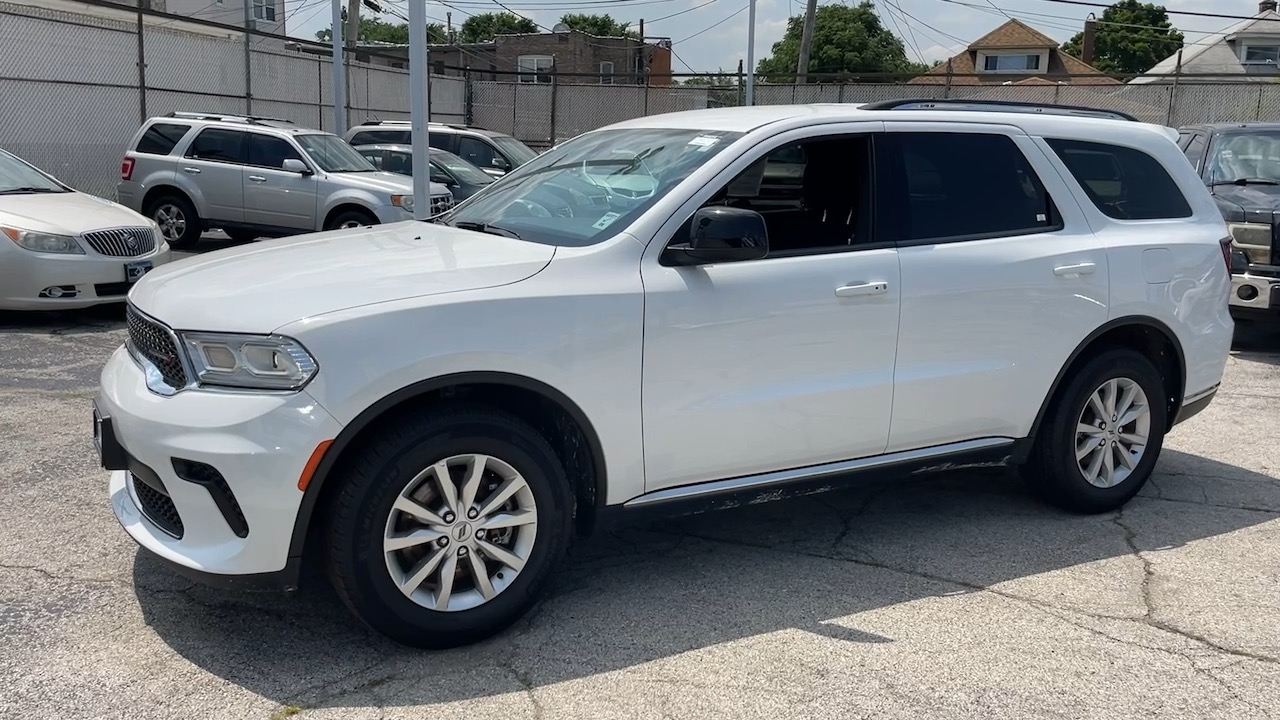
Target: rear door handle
[(861, 289), (1086, 268), (257, 179), (191, 171)]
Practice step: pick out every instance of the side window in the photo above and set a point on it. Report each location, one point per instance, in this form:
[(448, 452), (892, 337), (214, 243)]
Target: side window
[(1195, 151), (374, 137), (270, 152), (374, 157), (439, 141), (399, 162), (218, 145), (476, 152), (814, 195), (959, 186), (439, 175), (161, 138), (1124, 183)]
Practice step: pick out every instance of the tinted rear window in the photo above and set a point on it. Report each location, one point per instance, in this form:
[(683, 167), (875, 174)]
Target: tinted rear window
[(161, 138), (1124, 183), (376, 137)]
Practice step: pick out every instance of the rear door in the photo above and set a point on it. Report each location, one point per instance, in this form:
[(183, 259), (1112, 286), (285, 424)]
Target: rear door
[(274, 197), (214, 164), (1002, 278)]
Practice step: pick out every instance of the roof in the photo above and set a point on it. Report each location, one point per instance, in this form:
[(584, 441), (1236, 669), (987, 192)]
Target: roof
[(1013, 34), (1228, 127), (1214, 53)]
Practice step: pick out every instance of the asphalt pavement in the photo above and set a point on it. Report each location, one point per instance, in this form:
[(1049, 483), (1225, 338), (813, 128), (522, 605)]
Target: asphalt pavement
[(954, 596)]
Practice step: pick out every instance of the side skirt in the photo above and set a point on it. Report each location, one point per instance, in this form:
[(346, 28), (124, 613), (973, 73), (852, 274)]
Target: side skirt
[(781, 485)]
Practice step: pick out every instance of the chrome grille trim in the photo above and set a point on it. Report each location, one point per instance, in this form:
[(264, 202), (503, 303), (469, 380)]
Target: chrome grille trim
[(441, 204), (121, 242), (156, 349)]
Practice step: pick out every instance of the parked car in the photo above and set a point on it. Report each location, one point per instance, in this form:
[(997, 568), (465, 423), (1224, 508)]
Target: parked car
[(461, 177), (255, 177), (494, 152), (63, 249), (1240, 162), (433, 411)]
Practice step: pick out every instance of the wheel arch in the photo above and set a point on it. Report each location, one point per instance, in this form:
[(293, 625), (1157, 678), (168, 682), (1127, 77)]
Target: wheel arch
[(159, 191), (529, 399), (1146, 335)]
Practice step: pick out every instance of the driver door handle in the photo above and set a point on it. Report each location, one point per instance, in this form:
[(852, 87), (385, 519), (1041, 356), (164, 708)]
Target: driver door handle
[(861, 289), (257, 179)]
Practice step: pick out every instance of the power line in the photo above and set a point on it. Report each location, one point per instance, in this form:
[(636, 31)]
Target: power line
[(893, 19), (1029, 15), (695, 7), (943, 33), (713, 25), (1171, 12)]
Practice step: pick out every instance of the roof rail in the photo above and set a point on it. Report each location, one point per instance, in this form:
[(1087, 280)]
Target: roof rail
[(228, 117), (997, 106), (437, 123)]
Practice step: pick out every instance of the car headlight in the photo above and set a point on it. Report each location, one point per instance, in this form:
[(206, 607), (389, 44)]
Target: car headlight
[(252, 362), (43, 242), (403, 201), (1253, 238)]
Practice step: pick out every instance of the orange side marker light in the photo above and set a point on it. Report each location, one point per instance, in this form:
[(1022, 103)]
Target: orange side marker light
[(314, 462)]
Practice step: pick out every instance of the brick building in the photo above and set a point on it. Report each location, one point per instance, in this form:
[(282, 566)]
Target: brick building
[(576, 57)]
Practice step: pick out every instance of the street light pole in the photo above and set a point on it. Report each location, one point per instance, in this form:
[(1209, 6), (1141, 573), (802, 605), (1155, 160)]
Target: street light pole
[(419, 77), (751, 54), (339, 72)]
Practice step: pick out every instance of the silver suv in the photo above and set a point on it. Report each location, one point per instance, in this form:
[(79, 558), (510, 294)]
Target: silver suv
[(493, 152), (255, 177)]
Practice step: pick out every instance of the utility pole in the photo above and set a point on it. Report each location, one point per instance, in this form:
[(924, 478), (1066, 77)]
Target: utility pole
[(448, 27), (751, 54), (339, 72), (806, 42), (353, 23), (419, 77)]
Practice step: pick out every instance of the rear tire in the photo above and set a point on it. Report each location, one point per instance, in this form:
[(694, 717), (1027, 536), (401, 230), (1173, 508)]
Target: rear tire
[(350, 219), (511, 525), (1102, 436), (242, 236), (180, 224)]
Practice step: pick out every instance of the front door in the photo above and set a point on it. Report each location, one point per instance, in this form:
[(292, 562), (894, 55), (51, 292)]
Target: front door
[(781, 362), (274, 197)]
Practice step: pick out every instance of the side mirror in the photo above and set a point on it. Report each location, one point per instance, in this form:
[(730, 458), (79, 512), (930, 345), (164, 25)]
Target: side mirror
[(295, 165), (721, 234), (500, 163)]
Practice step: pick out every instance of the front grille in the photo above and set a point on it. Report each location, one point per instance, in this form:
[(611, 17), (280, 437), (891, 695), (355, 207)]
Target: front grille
[(112, 289), (440, 204), (155, 343), (122, 242), (159, 508)]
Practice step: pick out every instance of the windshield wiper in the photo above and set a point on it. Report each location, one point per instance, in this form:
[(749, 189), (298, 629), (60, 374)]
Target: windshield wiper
[(484, 228), (1244, 181), (26, 190)]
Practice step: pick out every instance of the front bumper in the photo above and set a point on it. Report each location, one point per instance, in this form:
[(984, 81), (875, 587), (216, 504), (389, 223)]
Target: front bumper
[(93, 279), (258, 444), (1250, 291)]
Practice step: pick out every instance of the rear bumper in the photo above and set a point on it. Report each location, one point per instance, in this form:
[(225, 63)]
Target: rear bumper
[(1194, 404)]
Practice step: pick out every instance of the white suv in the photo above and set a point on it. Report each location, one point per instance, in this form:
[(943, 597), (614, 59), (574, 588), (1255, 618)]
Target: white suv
[(253, 177), (635, 323)]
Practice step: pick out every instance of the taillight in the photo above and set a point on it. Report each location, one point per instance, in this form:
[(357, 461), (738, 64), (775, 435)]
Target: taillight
[(1225, 244), (126, 169)]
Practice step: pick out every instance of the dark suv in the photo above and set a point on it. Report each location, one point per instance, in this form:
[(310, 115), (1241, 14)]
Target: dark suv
[(1240, 162)]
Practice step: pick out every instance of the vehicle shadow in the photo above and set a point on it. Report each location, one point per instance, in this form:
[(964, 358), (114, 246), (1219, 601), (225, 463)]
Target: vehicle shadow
[(811, 565), (63, 322), (1257, 341)]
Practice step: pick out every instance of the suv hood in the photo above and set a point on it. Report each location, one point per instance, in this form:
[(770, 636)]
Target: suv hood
[(263, 286), (385, 182), (69, 213)]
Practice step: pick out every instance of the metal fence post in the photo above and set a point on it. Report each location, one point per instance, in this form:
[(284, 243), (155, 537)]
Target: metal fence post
[(248, 63), (555, 87), (467, 97), (946, 89), (646, 92), (840, 93), (142, 62)]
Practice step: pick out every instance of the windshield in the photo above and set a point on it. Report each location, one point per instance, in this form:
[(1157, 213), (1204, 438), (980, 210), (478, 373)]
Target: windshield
[(333, 154), (514, 149), (1246, 156), (19, 178), (591, 187), (461, 169)]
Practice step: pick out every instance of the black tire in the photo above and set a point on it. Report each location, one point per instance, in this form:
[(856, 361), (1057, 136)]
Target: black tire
[(1053, 472), (192, 225), (242, 236), (359, 217), (374, 480)]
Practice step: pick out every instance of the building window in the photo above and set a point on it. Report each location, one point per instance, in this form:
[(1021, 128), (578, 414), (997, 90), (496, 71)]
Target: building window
[(535, 68), (264, 10), (606, 73), (1011, 63), (1261, 55)]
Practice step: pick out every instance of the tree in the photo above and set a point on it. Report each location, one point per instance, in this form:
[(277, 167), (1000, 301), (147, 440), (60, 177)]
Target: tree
[(716, 79), (1131, 38), (598, 25), (374, 30), (486, 26), (846, 39)]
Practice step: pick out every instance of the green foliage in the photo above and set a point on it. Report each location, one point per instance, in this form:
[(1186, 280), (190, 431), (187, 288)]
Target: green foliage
[(374, 30), (486, 26), (715, 79), (1121, 48), (846, 39), (598, 25)]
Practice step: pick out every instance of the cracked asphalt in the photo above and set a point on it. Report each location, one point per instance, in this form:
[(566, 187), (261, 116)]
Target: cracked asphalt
[(954, 596)]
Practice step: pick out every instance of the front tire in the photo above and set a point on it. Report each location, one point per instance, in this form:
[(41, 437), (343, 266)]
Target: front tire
[(350, 219), (449, 526), (1101, 439)]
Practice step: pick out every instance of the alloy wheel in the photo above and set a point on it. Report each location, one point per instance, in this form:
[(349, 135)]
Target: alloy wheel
[(1112, 433), (460, 532), (172, 221)]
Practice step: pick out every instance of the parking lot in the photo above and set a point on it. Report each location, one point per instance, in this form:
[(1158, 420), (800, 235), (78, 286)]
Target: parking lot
[(939, 597)]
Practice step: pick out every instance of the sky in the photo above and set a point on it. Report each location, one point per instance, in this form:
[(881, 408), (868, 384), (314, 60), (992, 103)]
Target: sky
[(712, 34)]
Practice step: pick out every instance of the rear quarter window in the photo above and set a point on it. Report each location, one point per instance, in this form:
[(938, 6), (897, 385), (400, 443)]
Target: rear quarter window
[(1124, 183), (161, 138)]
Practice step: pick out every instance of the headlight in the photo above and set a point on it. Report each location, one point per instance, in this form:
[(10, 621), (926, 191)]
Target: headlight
[(403, 201), (1253, 238), (254, 362), (43, 242)]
